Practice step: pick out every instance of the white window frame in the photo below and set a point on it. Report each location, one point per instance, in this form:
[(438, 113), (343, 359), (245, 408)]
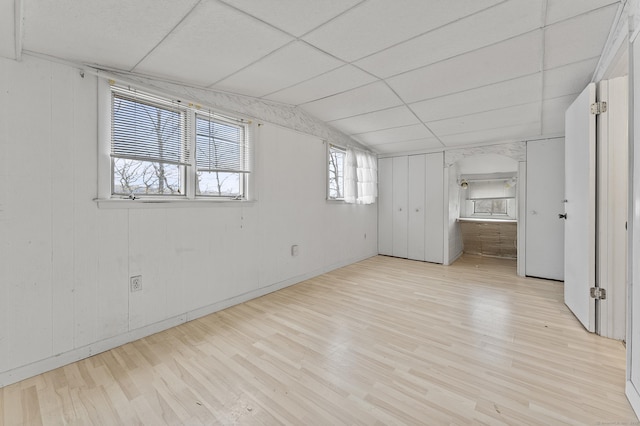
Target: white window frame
[(107, 199), (328, 180)]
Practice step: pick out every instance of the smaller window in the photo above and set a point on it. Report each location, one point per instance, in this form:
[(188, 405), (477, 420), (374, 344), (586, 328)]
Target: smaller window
[(222, 157), (490, 207), (336, 172)]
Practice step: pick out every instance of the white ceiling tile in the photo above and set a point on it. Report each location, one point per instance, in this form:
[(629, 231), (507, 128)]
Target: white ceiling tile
[(553, 114), (214, 41), (294, 16), (378, 120), (579, 38), (558, 10), (281, 69), (490, 26), (339, 80), (373, 97), (512, 58), (397, 134), (7, 29), (504, 117), (378, 24), (568, 79), (499, 95), (519, 132), (110, 33), (408, 146)]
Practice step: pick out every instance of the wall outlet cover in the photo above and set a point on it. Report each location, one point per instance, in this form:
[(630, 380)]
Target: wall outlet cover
[(135, 283)]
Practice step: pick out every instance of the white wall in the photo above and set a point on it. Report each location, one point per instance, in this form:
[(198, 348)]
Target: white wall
[(486, 164), (65, 263)]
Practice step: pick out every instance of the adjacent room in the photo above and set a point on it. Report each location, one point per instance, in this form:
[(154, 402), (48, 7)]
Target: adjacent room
[(319, 212)]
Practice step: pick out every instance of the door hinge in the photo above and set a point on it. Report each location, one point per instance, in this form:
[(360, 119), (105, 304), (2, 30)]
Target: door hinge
[(598, 107), (598, 293)]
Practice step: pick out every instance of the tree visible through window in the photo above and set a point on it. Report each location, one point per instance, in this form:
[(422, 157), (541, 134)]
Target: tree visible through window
[(147, 147), (220, 157), (336, 172)]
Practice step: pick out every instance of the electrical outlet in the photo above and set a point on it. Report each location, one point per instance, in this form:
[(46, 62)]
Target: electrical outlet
[(135, 283), (295, 250)]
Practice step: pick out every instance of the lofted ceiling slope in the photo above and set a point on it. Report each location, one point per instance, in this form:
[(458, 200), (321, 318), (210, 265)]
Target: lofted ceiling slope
[(396, 75)]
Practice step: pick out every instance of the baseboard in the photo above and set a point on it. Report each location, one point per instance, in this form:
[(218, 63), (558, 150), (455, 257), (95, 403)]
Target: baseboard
[(454, 258), (634, 397), (47, 364)]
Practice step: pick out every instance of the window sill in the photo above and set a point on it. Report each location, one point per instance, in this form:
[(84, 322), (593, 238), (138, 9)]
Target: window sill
[(487, 219), (165, 203)]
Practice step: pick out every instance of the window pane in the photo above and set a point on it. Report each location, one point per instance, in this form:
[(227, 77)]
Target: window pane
[(490, 206), (146, 177), (220, 146), (219, 184), (147, 132), (336, 172)]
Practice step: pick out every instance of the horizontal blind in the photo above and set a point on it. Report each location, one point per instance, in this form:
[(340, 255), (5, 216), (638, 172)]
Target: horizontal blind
[(221, 146), (148, 129)]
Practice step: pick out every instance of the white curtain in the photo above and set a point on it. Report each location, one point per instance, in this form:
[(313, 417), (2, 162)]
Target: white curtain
[(360, 177)]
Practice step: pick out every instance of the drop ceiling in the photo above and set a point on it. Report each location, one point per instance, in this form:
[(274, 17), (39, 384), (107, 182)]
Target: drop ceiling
[(395, 75)]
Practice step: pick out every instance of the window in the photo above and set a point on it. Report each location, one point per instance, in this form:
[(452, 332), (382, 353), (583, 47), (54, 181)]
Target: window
[(490, 207), (152, 141), (148, 147), (491, 194), (336, 172), (222, 159)]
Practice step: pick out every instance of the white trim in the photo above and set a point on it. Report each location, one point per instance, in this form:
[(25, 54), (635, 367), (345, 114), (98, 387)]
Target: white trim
[(164, 203), (617, 35), (633, 396), (454, 258), (104, 139), (18, 28), (521, 227), (23, 372)]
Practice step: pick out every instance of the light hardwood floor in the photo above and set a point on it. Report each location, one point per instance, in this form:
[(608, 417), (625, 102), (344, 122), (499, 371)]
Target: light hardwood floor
[(383, 341)]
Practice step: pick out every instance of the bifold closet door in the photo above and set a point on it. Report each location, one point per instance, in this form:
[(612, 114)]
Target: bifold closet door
[(417, 193), (434, 208), (385, 206), (400, 195)]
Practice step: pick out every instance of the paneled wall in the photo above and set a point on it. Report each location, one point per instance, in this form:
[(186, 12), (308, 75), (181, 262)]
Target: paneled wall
[(65, 263), (490, 238)]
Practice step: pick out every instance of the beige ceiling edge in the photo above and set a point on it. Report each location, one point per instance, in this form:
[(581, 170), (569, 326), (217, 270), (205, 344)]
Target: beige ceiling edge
[(515, 150), (272, 112)]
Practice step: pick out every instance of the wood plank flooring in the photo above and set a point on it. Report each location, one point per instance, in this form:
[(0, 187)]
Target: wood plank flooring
[(383, 341)]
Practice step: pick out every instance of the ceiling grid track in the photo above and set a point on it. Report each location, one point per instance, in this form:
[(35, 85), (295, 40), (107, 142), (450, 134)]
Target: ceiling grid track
[(545, 5), (186, 15)]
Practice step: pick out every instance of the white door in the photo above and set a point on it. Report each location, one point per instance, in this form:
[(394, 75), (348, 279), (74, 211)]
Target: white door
[(633, 315), (434, 208), (417, 182), (580, 208), (545, 192), (400, 195), (385, 206)]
